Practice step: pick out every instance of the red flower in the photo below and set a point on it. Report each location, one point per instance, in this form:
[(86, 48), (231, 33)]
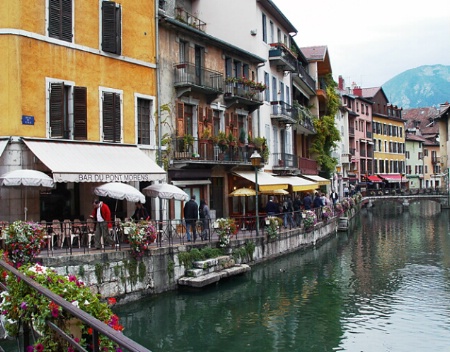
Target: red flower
[(90, 331), (112, 301)]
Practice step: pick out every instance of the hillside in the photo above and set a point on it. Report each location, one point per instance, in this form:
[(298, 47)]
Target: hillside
[(419, 87)]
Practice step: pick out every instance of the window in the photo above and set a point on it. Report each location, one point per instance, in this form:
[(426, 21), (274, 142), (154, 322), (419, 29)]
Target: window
[(67, 111), (264, 28), (60, 19), (111, 119), (267, 83), (111, 27), (145, 123), (272, 33)]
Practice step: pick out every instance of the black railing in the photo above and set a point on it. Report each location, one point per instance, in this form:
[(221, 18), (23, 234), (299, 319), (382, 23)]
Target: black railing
[(186, 73), (285, 160), (236, 89), (304, 75), (97, 326)]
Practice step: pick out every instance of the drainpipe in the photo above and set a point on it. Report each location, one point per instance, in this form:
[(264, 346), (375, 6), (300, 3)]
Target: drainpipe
[(158, 95)]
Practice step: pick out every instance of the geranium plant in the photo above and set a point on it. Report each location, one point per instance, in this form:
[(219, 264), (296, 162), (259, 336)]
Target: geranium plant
[(22, 304), (326, 212), (23, 242), (309, 219), (140, 236), (225, 227)]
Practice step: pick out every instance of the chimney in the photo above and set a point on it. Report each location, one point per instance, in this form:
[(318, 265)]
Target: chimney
[(357, 90), (341, 83)]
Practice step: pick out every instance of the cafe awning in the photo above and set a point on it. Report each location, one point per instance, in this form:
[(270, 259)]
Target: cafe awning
[(266, 182), (392, 178), (316, 178), (299, 184), (374, 178), (3, 144), (95, 162)]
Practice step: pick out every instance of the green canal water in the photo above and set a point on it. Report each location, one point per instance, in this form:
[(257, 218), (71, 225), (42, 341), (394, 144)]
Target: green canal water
[(383, 286)]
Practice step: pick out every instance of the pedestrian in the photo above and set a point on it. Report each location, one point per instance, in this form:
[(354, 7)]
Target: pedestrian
[(191, 217), (307, 201), (271, 207), (345, 191), (288, 210), (297, 210), (317, 202), (205, 216), (334, 196), (140, 213), (102, 215)]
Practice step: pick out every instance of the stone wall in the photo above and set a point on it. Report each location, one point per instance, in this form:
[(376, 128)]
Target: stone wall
[(117, 274)]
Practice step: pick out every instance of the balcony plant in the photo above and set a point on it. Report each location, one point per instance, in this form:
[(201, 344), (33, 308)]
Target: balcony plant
[(221, 141), (309, 219), (188, 142), (225, 228), (22, 305), (206, 134), (242, 136), (140, 236), (231, 139)]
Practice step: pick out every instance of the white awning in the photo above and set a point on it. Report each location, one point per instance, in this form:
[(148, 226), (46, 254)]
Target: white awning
[(95, 162), (266, 182), (299, 184), (320, 180), (3, 144), (184, 183)]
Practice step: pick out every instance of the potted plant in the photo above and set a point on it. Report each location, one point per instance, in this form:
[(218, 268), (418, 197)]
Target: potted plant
[(258, 142), (242, 136), (231, 140), (221, 140), (309, 219), (206, 135), (225, 227), (140, 236), (188, 142)]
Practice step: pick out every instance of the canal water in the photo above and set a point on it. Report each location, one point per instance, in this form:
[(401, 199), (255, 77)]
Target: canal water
[(382, 286)]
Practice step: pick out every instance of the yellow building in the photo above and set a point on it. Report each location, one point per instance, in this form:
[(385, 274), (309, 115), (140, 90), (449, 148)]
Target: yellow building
[(77, 101)]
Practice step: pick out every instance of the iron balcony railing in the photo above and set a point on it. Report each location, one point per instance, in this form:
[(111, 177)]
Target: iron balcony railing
[(284, 160), (236, 89), (183, 16), (186, 73), (283, 57), (283, 112), (304, 75)]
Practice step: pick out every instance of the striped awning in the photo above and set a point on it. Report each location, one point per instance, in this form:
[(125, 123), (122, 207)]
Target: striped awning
[(392, 178)]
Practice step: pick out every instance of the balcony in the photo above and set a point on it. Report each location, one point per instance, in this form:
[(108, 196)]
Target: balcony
[(351, 131), (303, 79), (190, 77), (282, 57), (285, 162), (185, 17), (283, 112), (345, 158), (307, 166), (240, 94), (369, 134), (205, 152)]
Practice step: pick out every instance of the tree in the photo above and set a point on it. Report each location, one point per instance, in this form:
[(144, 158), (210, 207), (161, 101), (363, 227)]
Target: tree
[(327, 134)]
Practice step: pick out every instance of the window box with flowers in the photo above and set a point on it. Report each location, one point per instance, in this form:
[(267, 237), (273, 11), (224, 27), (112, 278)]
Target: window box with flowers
[(22, 305)]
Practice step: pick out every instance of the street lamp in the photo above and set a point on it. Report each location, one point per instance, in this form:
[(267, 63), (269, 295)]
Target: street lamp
[(256, 162)]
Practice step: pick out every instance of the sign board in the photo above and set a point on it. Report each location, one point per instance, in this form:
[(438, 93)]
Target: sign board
[(27, 120)]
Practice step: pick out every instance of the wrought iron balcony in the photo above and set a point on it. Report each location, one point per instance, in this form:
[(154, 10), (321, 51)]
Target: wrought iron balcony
[(369, 134), (188, 76), (238, 93), (284, 161), (282, 57), (183, 16), (206, 152), (303, 78), (283, 112)]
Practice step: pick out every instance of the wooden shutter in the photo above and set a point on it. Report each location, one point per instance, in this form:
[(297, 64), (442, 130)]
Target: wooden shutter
[(80, 113), (56, 110), (60, 19), (201, 118), (111, 17), (227, 122), (235, 126), (250, 126), (210, 116), (180, 119), (111, 117)]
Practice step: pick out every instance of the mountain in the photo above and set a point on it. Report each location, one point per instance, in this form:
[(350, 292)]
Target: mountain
[(423, 86)]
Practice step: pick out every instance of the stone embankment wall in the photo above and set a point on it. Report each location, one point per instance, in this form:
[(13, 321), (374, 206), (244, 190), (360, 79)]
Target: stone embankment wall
[(117, 274)]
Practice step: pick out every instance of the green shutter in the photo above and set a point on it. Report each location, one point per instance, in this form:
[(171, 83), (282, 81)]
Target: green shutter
[(56, 110), (80, 113)]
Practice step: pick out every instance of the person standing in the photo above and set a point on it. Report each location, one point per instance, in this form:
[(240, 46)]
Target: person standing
[(334, 196), (190, 217), (140, 213), (205, 216), (317, 202), (297, 213), (307, 202), (102, 215), (288, 210), (346, 191), (272, 207)]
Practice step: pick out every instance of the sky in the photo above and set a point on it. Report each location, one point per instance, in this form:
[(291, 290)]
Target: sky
[(370, 42)]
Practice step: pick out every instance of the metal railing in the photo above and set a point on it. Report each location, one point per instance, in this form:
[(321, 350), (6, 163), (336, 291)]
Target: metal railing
[(186, 73), (97, 326)]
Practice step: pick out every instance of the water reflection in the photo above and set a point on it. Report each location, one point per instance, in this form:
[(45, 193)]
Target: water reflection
[(384, 286)]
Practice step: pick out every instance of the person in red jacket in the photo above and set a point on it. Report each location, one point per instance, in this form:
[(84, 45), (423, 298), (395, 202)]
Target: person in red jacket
[(102, 215)]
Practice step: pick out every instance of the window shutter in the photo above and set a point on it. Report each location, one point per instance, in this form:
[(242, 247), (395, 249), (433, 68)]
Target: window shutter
[(227, 122), (209, 114), (111, 17), (66, 20), (60, 19), (80, 113), (180, 119), (250, 126), (201, 118), (235, 126), (111, 117), (56, 110)]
